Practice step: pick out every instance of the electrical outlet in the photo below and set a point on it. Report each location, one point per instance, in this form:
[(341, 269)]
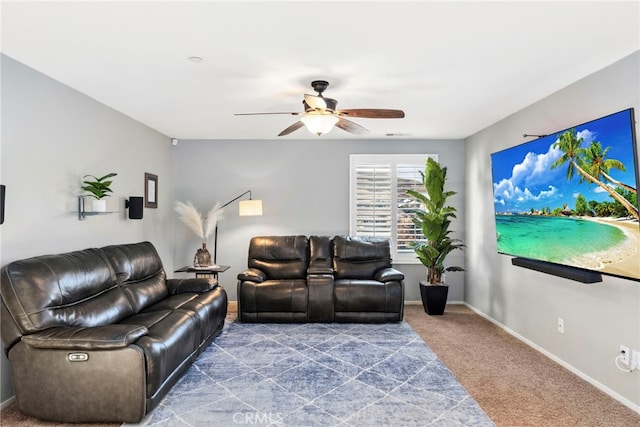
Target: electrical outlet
[(635, 360), (624, 355), (560, 325)]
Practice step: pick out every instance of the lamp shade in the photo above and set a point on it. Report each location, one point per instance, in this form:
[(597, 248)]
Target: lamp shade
[(319, 123), (250, 207)]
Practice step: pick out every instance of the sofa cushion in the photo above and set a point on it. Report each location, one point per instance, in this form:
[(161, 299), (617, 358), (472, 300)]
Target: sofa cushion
[(209, 308), (172, 339), (359, 257), (280, 257), (75, 289), (139, 272)]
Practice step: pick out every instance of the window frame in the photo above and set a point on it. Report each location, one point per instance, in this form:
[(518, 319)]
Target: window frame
[(392, 161)]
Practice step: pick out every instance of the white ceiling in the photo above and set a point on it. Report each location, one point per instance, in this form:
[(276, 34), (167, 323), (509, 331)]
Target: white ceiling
[(453, 67)]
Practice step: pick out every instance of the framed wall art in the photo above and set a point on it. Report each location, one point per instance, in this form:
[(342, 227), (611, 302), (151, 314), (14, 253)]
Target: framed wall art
[(150, 190)]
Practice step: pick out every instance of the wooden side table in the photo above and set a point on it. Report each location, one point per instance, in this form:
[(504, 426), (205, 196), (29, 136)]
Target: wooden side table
[(211, 271)]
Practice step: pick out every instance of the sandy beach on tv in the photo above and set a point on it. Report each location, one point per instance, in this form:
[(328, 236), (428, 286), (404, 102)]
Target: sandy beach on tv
[(622, 259)]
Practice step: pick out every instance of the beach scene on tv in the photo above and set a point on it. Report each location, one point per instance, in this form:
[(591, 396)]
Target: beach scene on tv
[(571, 197)]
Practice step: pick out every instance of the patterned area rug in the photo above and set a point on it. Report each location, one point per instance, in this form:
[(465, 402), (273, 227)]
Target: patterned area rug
[(318, 375)]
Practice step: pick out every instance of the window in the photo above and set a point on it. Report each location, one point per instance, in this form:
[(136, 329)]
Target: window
[(379, 205)]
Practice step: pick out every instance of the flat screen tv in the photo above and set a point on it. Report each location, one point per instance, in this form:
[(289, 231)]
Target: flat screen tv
[(570, 198)]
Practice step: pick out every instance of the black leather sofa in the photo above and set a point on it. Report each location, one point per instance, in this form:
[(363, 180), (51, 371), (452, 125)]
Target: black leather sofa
[(101, 335), (320, 279)]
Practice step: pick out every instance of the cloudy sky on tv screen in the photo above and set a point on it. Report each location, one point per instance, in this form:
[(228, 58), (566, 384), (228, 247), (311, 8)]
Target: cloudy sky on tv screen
[(523, 177)]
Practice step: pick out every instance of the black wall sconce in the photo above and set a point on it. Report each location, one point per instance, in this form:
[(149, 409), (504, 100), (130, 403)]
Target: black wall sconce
[(2, 191), (135, 205)]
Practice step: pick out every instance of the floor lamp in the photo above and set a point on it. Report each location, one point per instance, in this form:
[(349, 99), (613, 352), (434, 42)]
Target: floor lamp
[(245, 208)]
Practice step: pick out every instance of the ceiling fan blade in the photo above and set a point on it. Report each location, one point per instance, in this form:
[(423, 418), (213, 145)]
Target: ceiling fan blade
[(261, 114), (294, 127), (350, 126), (372, 113), (315, 102)]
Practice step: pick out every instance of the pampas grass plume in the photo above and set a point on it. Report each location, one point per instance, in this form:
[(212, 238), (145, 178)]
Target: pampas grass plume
[(211, 219), (191, 217), (202, 226)]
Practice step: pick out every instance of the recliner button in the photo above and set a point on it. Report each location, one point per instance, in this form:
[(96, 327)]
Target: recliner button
[(78, 357)]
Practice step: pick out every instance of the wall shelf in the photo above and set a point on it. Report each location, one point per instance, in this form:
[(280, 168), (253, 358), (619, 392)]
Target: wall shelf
[(83, 213)]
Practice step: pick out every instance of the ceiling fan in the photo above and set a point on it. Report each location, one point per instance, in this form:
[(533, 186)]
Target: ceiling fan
[(320, 114)]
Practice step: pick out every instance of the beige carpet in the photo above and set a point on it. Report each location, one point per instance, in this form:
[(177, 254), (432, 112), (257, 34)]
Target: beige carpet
[(514, 384)]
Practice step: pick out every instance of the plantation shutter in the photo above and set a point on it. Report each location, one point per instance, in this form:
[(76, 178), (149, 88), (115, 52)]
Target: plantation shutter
[(408, 178), (379, 204), (374, 200)]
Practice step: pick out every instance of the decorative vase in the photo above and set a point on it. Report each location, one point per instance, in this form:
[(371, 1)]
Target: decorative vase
[(203, 257), (434, 298), (98, 205)]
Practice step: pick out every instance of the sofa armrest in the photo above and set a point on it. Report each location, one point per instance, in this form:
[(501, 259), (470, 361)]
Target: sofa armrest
[(198, 285), (252, 275), (96, 338), (388, 275)]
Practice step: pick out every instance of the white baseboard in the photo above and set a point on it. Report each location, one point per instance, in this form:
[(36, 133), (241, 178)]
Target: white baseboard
[(420, 302), (626, 402), (7, 402)]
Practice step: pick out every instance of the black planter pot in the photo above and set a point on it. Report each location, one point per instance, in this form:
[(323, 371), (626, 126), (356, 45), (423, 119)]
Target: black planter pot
[(434, 298)]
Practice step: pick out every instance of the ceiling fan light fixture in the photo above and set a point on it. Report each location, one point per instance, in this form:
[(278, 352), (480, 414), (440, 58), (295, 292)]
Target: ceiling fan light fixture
[(319, 124), (320, 114)]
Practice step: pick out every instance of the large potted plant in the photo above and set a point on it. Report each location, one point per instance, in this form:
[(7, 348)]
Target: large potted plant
[(434, 219), (99, 188)]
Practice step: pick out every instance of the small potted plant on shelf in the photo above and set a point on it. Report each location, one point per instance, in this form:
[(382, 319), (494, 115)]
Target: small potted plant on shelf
[(99, 189), (434, 221)]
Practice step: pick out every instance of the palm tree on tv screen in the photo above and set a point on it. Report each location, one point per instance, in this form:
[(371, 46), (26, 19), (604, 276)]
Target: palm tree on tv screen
[(598, 166), (573, 155)]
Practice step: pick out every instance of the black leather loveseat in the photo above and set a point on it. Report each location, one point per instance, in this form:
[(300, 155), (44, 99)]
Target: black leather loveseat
[(320, 279), (101, 335)]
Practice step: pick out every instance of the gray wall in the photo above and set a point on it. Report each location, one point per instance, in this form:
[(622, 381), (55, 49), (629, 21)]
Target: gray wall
[(304, 186), (598, 317), (51, 137)]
